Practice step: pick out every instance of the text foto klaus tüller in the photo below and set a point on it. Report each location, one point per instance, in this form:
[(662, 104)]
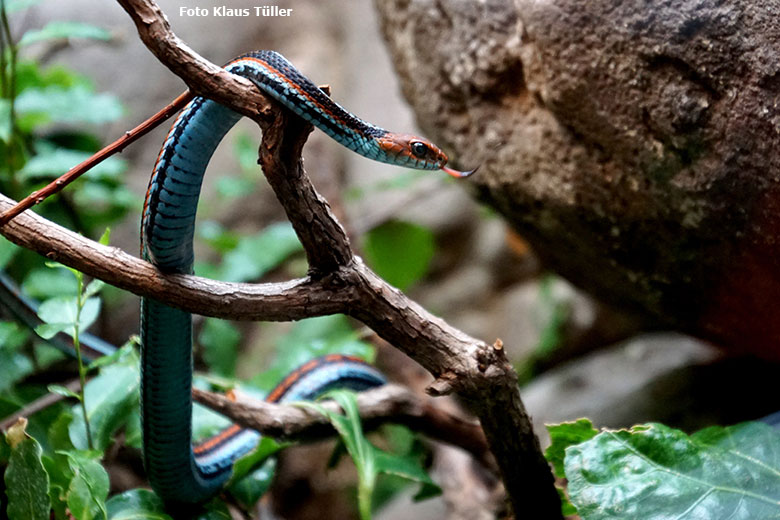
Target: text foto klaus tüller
[(222, 10)]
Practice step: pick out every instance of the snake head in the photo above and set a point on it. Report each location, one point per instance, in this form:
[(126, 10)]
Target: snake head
[(416, 152)]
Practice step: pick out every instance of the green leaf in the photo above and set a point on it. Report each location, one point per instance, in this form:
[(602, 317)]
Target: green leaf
[(7, 252), (220, 340), (110, 398), (249, 489), (311, 338), (59, 315), (50, 162), (49, 330), (400, 252), (94, 287), (654, 472), (63, 391), (43, 283), (256, 255), (88, 490), (105, 238), (266, 448), (564, 435), (408, 468), (26, 480), (136, 504), (59, 438), (62, 29), (369, 460), (77, 104)]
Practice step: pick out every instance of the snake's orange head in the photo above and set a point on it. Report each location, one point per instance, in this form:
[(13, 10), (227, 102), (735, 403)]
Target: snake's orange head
[(416, 152)]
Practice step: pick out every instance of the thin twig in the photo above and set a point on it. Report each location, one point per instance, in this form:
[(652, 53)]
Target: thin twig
[(74, 173), (37, 405)]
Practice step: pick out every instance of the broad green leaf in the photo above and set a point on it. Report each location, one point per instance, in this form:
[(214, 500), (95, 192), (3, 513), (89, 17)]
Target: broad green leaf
[(62, 29), (219, 339), (249, 489), (133, 432), (60, 476), (110, 398), (564, 435), (26, 480), (51, 162), (30, 74), (88, 490), (256, 255), (400, 252), (59, 438), (136, 504), (59, 314), (44, 283), (215, 510), (561, 437), (77, 104), (408, 468), (654, 472), (266, 448), (94, 287), (311, 338)]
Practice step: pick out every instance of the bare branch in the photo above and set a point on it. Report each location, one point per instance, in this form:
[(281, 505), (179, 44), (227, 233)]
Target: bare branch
[(388, 403), (285, 301)]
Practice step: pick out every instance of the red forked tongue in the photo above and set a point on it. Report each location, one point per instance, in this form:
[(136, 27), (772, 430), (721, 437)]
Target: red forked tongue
[(458, 174)]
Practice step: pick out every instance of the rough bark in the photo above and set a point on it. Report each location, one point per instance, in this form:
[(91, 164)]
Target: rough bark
[(633, 143)]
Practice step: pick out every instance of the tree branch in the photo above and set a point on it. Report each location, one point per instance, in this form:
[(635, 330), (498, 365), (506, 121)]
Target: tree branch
[(386, 404), (338, 282)]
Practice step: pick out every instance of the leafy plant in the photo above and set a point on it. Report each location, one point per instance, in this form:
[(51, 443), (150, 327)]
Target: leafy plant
[(369, 460), (653, 472)]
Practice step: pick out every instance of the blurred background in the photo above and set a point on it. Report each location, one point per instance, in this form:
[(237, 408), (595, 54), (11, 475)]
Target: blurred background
[(421, 231)]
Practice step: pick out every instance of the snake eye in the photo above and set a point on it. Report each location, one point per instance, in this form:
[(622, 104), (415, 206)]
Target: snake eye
[(419, 149)]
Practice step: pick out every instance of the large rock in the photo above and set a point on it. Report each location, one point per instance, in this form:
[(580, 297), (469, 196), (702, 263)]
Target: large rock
[(633, 143)]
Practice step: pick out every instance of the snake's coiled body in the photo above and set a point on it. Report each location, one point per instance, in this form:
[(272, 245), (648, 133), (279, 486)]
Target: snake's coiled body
[(177, 472)]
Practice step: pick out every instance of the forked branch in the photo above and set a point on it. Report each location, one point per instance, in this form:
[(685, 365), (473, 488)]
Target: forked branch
[(338, 281)]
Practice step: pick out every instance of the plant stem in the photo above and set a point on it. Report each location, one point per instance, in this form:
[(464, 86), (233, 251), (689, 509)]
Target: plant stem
[(77, 346), (9, 88)]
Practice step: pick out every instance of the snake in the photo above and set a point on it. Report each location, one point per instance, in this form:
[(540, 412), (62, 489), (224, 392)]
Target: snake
[(181, 472), (178, 471)]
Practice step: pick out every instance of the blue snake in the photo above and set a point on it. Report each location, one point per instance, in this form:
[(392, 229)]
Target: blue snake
[(176, 471), (179, 472)]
